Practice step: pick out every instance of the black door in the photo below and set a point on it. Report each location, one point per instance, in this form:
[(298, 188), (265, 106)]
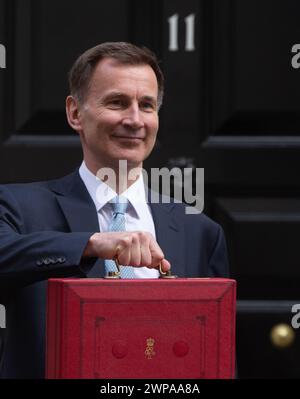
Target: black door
[(232, 107)]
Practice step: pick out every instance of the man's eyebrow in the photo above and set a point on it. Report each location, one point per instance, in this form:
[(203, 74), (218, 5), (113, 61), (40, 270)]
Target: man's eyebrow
[(118, 94), (114, 94), (150, 99)]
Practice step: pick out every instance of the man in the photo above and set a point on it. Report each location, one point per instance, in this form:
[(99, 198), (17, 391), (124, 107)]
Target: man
[(62, 227)]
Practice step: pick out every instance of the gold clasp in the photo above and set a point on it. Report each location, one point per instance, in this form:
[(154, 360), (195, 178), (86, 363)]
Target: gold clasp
[(167, 274), (114, 275)]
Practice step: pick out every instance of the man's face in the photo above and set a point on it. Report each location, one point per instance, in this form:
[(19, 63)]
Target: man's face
[(119, 116)]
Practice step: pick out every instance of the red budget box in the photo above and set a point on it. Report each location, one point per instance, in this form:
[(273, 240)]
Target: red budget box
[(144, 328)]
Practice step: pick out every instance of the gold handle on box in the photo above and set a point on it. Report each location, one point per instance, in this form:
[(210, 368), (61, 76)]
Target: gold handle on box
[(163, 274), (117, 274)]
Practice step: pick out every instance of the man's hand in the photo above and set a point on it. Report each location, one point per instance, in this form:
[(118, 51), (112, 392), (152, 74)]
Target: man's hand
[(131, 248)]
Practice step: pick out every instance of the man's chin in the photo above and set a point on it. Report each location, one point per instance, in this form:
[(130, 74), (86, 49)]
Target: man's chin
[(123, 161), (132, 158)]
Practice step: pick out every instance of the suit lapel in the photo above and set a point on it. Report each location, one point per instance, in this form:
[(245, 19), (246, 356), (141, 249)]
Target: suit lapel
[(79, 210), (170, 234), (76, 203)]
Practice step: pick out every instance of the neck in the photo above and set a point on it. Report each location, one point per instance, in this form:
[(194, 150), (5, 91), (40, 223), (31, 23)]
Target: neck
[(119, 177)]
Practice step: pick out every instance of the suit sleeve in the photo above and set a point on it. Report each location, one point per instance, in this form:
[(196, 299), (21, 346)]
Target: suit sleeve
[(218, 261), (38, 255)]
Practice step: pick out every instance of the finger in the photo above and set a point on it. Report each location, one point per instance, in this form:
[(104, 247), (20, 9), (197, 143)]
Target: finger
[(146, 257), (124, 250), (157, 254), (135, 251), (145, 249), (165, 265)]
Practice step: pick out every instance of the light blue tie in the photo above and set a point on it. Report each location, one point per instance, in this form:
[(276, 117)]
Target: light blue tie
[(119, 205)]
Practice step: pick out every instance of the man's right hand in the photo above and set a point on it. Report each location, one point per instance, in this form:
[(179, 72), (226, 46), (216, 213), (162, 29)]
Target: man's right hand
[(131, 248)]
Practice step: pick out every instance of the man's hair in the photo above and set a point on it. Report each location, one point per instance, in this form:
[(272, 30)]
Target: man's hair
[(82, 70)]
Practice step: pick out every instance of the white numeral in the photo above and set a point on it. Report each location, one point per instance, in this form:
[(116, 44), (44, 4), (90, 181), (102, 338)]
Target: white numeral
[(189, 32), (173, 26), (2, 316), (2, 56)]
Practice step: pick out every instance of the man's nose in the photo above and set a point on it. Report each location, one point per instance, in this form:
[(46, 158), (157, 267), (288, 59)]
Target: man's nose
[(133, 117)]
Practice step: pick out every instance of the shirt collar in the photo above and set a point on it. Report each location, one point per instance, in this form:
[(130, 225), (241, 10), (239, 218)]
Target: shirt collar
[(101, 193)]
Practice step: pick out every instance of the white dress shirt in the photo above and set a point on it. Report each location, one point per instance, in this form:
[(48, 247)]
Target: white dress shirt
[(138, 216)]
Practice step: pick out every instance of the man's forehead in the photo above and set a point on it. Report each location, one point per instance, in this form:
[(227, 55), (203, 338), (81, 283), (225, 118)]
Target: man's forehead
[(113, 62), (110, 67), (112, 76)]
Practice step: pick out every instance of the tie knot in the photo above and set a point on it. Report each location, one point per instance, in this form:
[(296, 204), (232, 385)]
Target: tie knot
[(119, 204)]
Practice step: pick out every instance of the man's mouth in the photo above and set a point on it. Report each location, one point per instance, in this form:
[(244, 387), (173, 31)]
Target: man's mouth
[(128, 137)]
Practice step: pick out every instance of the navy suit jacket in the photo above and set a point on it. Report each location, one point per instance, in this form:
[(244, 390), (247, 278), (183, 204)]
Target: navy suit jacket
[(44, 228)]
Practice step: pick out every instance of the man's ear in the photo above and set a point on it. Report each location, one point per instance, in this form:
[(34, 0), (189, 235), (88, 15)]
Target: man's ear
[(73, 113)]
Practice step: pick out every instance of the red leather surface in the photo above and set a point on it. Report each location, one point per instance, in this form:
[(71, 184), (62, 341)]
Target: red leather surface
[(176, 328)]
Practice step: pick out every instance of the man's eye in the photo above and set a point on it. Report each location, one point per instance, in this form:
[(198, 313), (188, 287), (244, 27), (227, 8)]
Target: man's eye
[(147, 106), (115, 103)]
